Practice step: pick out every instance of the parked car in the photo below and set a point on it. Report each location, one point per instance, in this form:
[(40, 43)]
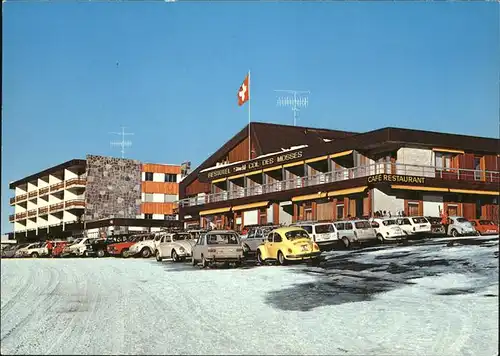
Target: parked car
[(218, 246), (99, 247), (254, 238), (146, 247), (323, 233), (79, 247), (484, 227), (196, 233), (58, 248), (37, 250), (10, 251), (415, 225), (122, 248), (437, 228), (177, 246), (355, 231), (288, 244), (387, 229), (460, 226)]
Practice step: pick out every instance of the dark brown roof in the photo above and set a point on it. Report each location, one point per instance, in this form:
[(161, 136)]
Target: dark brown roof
[(51, 170)]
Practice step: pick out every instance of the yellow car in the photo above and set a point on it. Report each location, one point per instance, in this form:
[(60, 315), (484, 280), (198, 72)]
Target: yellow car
[(288, 244)]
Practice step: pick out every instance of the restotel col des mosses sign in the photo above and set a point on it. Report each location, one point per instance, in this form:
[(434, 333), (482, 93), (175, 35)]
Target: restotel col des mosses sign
[(396, 178), (258, 164)]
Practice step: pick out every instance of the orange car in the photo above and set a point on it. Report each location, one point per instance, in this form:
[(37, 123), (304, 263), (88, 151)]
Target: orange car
[(484, 227)]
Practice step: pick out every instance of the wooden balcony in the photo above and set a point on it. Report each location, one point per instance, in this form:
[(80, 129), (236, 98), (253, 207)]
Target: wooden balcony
[(75, 182), (44, 210), (12, 201), (56, 187), (20, 216), (33, 194), (21, 197), (56, 207), (75, 203), (12, 217), (43, 191), (32, 213)]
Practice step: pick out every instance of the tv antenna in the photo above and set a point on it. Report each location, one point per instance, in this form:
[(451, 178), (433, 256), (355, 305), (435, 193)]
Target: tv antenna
[(296, 99), (123, 143)]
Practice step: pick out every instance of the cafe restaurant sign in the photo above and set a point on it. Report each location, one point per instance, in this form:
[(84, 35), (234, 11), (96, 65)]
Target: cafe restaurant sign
[(395, 178), (254, 165)]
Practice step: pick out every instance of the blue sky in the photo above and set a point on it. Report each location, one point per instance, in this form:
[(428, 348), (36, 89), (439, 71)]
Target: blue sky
[(431, 66)]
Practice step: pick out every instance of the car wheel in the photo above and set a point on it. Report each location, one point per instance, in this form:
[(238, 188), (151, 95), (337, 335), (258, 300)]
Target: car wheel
[(146, 252), (260, 260), (125, 253), (158, 256), (34, 255), (346, 242), (380, 238), (174, 256), (204, 262), (100, 253), (86, 254), (281, 258), (454, 233)]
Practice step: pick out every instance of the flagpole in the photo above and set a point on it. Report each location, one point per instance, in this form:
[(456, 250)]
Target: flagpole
[(249, 118)]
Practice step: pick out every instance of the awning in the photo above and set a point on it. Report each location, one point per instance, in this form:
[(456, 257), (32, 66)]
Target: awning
[(309, 197), (215, 211), (256, 172), (219, 180), (272, 169), (251, 206), (311, 160), (341, 154), (416, 187), (293, 164), (347, 191), (236, 176), (447, 150), (470, 191)]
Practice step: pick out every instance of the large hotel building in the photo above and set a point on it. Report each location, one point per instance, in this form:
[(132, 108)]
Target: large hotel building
[(93, 194), (284, 174)]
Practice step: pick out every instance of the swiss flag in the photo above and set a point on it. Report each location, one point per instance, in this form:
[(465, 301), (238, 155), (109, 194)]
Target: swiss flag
[(244, 91)]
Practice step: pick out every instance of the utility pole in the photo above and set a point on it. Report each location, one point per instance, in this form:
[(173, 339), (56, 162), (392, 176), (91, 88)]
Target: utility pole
[(123, 143), (296, 99)]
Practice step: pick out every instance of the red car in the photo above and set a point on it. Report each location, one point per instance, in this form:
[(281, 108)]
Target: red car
[(58, 247), (484, 227), (121, 248)]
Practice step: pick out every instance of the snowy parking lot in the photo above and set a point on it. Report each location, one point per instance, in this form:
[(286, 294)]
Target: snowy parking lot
[(422, 299)]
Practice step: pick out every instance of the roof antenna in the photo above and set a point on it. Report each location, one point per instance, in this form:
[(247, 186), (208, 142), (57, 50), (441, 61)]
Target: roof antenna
[(123, 143), (295, 99)]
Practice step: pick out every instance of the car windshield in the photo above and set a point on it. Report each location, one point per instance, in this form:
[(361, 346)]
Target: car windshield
[(362, 225), (389, 222), (462, 220), (420, 220), (434, 220), (222, 239), (486, 222), (296, 234), (180, 237), (324, 228), (77, 241)]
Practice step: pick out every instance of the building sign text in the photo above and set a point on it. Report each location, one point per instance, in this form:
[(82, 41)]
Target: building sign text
[(395, 178)]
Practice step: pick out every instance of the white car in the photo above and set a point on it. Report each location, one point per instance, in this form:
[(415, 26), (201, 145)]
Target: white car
[(254, 238), (34, 250), (387, 229), (415, 225), (352, 231), (176, 246), (78, 247), (145, 247), (460, 226), (323, 233)]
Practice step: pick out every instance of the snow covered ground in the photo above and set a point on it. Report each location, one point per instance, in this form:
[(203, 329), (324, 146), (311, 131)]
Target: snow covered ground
[(424, 299)]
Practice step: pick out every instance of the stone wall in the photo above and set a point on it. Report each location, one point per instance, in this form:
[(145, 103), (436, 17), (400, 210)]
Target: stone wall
[(113, 188)]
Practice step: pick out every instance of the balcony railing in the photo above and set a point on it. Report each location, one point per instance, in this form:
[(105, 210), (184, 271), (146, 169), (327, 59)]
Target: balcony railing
[(43, 191), (32, 212), (21, 198), (33, 194), (20, 215), (12, 200), (56, 187), (12, 217), (75, 203), (345, 174), (43, 210), (55, 207), (75, 181)]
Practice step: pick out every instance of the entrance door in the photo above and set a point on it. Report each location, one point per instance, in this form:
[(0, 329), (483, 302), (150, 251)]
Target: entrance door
[(412, 209), (452, 210)]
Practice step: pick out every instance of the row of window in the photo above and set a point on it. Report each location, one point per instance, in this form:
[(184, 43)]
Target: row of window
[(164, 198), (165, 217), (169, 178)]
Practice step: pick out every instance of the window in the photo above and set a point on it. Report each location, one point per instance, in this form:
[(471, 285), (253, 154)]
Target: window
[(477, 168), (270, 237), (420, 220), (277, 237), (443, 160), (170, 178), (169, 217), (263, 216), (340, 211), (339, 226), (148, 197), (308, 228), (375, 224), (348, 226), (148, 216), (149, 176), (324, 228)]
